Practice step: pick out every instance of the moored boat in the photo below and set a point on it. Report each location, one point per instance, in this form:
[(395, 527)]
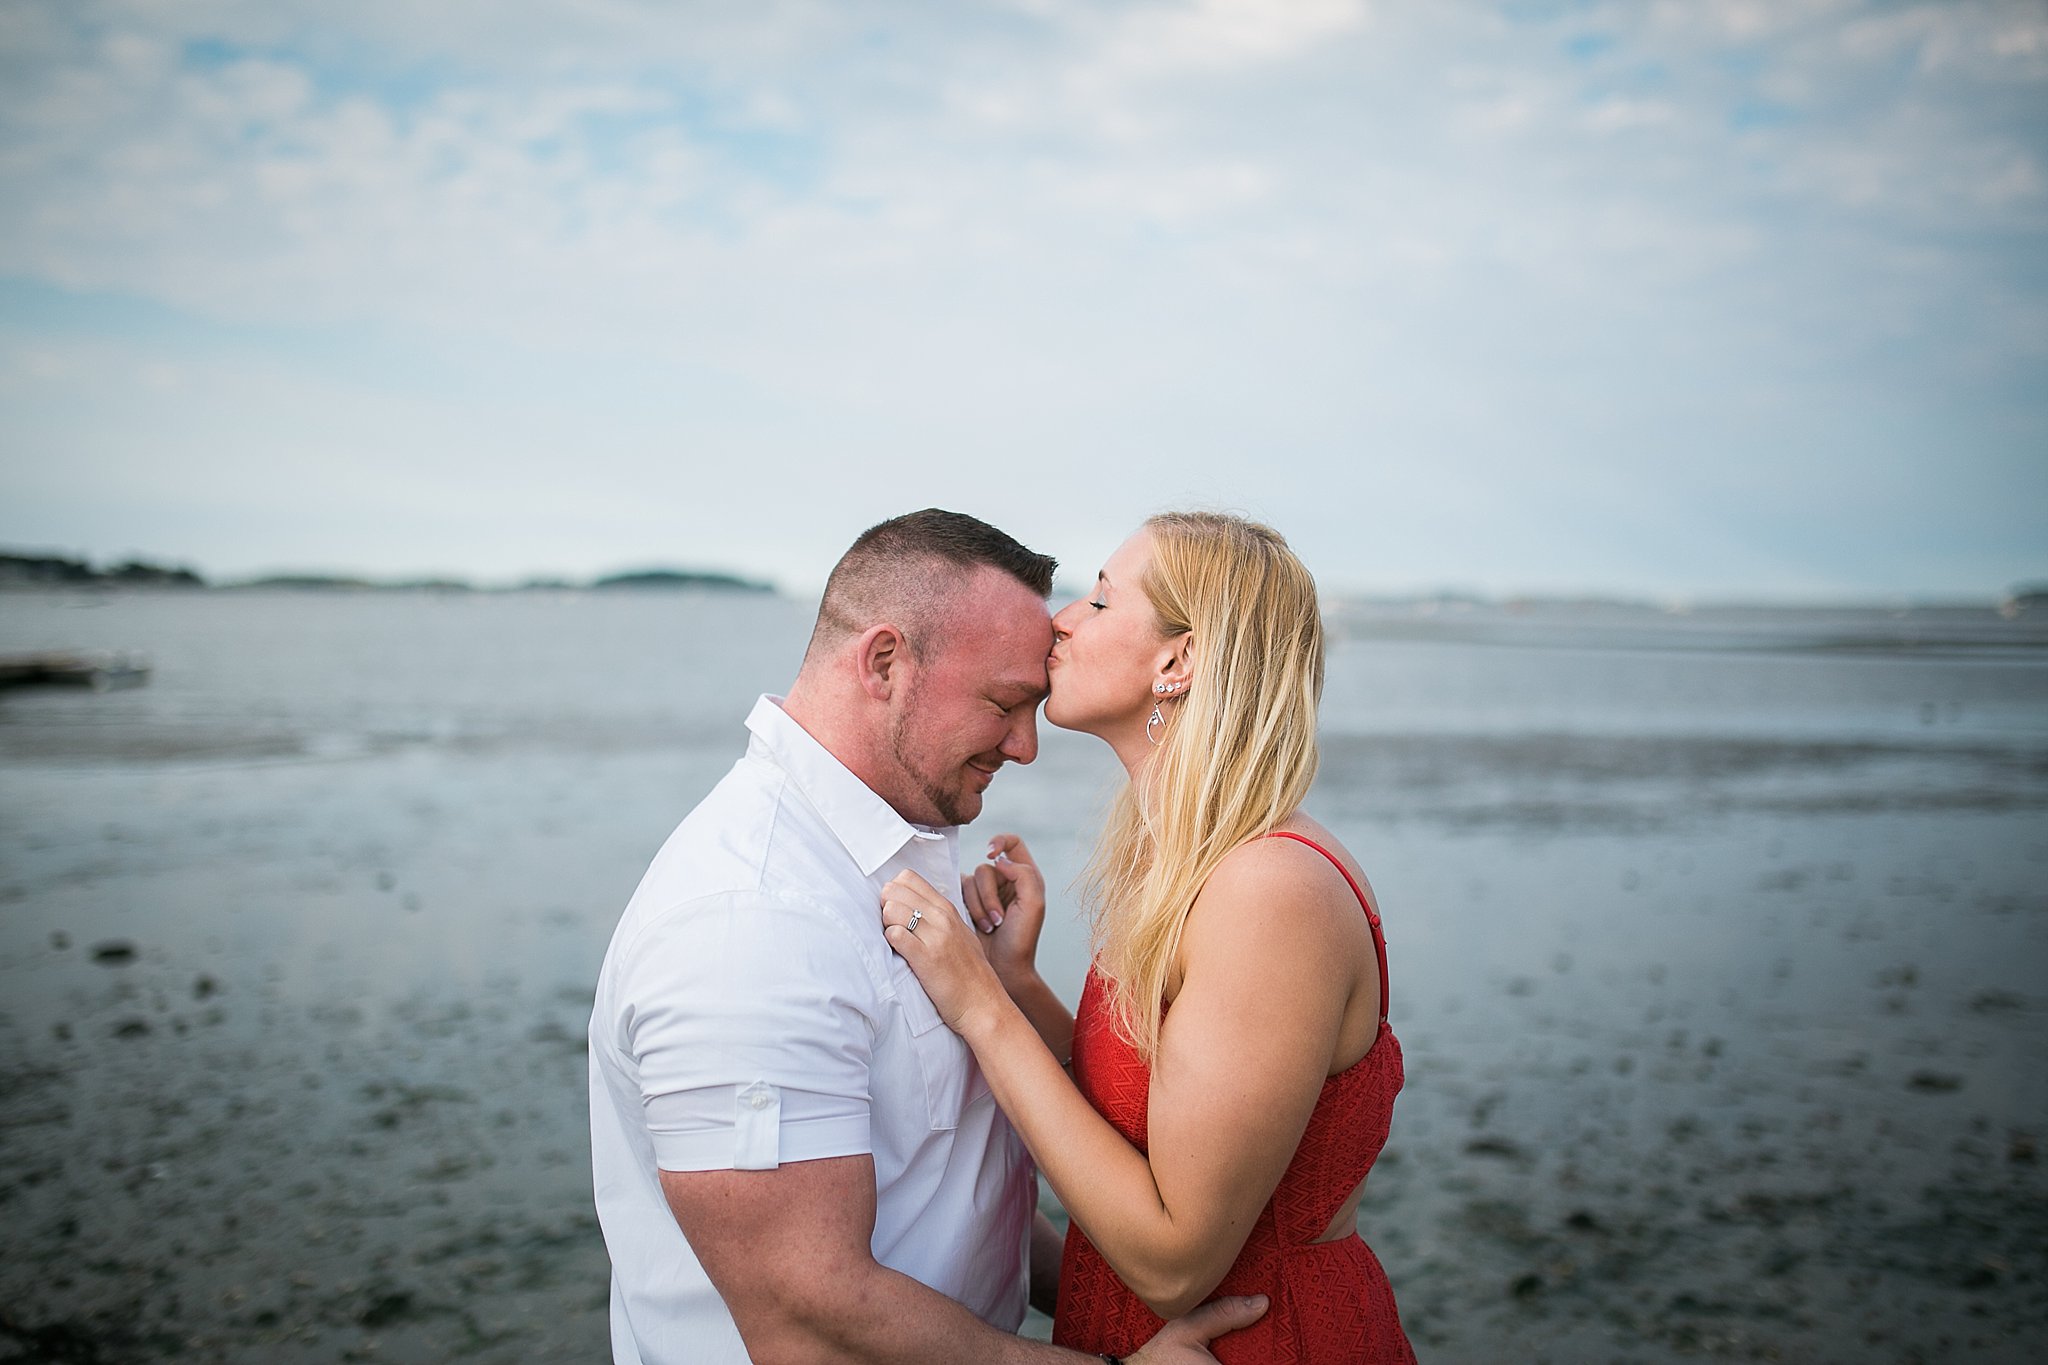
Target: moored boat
[(99, 669)]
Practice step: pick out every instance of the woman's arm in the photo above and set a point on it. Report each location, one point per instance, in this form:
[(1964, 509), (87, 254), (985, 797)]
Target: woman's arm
[(1269, 965), (1047, 1014)]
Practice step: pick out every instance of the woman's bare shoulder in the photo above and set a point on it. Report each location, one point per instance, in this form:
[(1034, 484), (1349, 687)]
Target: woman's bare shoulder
[(1295, 891), (1256, 862)]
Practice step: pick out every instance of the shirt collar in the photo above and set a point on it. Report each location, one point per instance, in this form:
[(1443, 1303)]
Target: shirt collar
[(868, 826)]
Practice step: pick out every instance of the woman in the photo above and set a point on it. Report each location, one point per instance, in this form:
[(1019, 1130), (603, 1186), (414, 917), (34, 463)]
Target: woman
[(1233, 1071)]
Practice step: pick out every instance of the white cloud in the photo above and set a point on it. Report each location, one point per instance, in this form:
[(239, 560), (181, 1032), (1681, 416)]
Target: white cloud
[(1169, 233), (1627, 115), (1207, 36)]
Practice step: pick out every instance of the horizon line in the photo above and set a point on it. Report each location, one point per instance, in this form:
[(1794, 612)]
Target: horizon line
[(321, 579)]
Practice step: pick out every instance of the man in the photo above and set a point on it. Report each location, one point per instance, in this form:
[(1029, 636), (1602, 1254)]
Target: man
[(794, 1159)]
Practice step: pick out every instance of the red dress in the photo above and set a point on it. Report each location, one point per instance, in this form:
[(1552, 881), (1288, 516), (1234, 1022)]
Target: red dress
[(1330, 1301)]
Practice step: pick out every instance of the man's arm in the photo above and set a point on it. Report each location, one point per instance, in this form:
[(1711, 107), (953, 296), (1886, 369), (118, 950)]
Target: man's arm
[(1047, 1246), (789, 1251)]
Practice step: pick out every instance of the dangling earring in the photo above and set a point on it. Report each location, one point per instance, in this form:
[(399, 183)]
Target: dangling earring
[(1156, 719)]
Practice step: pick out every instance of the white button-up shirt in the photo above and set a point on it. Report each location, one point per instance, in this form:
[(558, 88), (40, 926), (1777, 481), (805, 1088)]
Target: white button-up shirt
[(750, 1013)]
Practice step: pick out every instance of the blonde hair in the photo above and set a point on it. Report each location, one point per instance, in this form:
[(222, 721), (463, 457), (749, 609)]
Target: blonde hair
[(1238, 755)]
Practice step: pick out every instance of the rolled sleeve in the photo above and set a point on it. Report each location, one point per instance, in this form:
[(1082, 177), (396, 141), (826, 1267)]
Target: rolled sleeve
[(750, 1025), (721, 1128)]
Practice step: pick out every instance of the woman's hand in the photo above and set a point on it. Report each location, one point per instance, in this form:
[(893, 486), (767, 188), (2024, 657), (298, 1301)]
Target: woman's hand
[(927, 932), (1005, 896)]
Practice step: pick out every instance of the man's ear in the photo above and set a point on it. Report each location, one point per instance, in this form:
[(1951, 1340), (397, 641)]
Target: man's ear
[(882, 658)]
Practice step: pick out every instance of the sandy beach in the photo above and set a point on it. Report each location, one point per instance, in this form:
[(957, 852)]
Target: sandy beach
[(1719, 969)]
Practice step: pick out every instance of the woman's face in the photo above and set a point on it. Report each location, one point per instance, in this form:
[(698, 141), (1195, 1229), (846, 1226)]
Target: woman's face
[(1107, 650)]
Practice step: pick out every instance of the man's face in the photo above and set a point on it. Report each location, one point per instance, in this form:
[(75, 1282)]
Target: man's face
[(972, 701)]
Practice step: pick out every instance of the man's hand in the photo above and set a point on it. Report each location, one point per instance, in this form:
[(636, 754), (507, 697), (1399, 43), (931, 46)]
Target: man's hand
[(1185, 1341)]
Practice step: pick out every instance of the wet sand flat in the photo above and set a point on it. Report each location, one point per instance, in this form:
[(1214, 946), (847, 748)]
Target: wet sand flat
[(1725, 1012)]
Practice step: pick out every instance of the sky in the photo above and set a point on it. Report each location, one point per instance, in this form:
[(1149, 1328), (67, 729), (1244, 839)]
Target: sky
[(1672, 300)]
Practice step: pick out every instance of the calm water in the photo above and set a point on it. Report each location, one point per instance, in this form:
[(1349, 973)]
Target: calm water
[(1718, 948)]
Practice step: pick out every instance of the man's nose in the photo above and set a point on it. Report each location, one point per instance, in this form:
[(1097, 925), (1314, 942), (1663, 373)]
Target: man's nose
[(1020, 745)]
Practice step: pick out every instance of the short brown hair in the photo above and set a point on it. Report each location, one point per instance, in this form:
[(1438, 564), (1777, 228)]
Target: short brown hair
[(906, 566)]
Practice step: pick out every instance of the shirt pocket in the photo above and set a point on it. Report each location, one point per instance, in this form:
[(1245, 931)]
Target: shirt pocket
[(952, 1078)]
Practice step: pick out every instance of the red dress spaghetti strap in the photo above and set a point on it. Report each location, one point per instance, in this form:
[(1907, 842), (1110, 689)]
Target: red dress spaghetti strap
[(1330, 1301)]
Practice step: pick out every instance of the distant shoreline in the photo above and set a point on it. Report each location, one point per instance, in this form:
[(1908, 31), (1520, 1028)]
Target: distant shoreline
[(1445, 608), (57, 571)]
